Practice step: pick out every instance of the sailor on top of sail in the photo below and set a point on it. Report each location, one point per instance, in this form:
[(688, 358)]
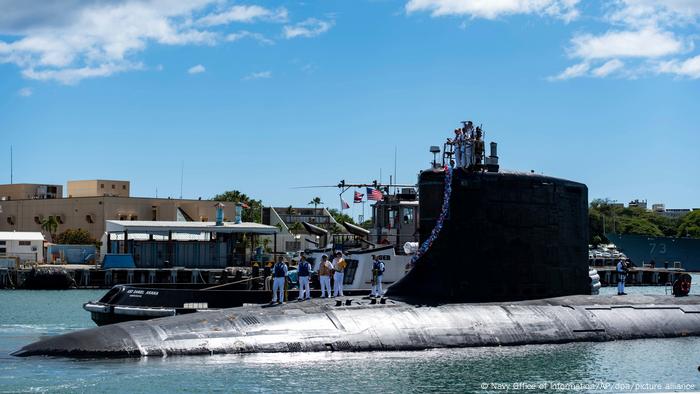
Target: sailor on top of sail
[(279, 276), (304, 272)]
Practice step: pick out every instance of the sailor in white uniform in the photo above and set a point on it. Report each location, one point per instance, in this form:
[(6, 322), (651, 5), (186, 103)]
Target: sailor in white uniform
[(377, 274), (279, 274), (304, 271), (339, 265)]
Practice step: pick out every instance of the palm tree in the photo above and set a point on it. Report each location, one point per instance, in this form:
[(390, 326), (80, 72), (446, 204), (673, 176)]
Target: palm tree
[(294, 227), (316, 202), (50, 225)]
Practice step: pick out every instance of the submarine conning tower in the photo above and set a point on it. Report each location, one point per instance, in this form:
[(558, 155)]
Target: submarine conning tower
[(504, 236)]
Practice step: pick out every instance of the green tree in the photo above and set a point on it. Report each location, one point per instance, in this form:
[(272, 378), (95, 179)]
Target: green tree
[(76, 237), (253, 212), (689, 225), (316, 202), (295, 228), (340, 217), (50, 225)]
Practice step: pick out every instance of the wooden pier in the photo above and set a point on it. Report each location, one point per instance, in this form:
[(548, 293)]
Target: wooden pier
[(92, 277), (639, 276)]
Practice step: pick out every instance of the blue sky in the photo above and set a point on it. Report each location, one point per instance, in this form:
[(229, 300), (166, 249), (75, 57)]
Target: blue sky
[(265, 96)]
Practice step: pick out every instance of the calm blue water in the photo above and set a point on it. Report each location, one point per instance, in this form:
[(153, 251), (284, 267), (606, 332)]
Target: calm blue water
[(623, 366)]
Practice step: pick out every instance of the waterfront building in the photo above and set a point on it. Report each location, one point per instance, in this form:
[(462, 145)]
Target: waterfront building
[(91, 203), (24, 246), (167, 244)]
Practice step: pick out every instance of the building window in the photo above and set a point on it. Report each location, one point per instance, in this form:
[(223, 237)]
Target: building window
[(25, 243), (123, 187), (37, 220), (3, 243), (3, 250), (89, 219), (102, 185)]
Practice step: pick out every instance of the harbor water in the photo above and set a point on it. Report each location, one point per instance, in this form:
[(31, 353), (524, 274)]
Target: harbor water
[(649, 365)]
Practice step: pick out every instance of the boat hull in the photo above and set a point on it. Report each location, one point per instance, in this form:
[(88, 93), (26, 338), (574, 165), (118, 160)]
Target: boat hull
[(321, 325), (642, 249)]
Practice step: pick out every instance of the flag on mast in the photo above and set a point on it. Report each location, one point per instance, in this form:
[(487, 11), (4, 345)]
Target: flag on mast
[(358, 197), (374, 194), (345, 204)]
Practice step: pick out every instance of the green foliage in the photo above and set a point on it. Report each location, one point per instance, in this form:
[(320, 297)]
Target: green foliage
[(689, 225), (50, 225), (340, 217), (251, 214), (76, 236), (604, 216), (296, 227), (316, 201)]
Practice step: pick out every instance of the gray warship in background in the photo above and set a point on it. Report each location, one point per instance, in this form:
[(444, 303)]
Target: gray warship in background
[(503, 261)]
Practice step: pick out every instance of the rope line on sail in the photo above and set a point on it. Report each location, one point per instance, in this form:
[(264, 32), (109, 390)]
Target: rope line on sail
[(441, 219)]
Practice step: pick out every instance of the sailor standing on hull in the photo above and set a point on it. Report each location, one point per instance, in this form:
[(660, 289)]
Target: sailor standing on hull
[(304, 272), (621, 276), (339, 265), (279, 273), (324, 276), (377, 274)]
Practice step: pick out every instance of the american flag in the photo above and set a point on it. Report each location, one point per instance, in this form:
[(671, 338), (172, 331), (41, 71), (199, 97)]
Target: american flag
[(358, 197), (374, 194)]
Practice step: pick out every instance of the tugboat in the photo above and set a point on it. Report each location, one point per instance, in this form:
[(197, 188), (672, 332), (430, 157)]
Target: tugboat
[(502, 261), (125, 302)]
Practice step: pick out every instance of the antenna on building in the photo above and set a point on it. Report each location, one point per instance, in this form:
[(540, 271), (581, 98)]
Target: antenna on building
[(182, 175), (395, 151)]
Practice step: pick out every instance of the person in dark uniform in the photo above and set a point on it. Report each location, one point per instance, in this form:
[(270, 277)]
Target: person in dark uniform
[(621, 276)]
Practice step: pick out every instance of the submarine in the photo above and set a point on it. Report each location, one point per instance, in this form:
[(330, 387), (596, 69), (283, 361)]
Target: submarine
[(503, 260)]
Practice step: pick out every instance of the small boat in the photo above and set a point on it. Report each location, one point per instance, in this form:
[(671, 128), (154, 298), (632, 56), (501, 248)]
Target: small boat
[(148, 301)]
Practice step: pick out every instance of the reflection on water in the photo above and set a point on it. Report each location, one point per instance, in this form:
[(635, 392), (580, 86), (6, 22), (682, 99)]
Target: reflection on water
[(25, 316)]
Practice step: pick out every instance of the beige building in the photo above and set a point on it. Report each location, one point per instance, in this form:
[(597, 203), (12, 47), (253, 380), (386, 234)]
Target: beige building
[(30, 191), (98, 187), (101, 200)]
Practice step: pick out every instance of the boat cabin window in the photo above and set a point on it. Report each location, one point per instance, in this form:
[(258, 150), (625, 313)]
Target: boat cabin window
[(350, 271), (407, 215)]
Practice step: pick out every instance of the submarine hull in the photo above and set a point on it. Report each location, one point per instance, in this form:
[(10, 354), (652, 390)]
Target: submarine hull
[(319, 325)]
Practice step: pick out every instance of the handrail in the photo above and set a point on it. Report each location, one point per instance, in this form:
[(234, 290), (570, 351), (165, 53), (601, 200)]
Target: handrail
[(233, 283)]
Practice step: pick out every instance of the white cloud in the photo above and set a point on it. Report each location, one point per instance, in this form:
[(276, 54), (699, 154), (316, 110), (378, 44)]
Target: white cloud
[(70, 76), (654, 13), (491, 9), (258, 75), (608, 68), (25, 92), (247, 34), (687, 68), (244, 13), (647, 33), (309, 28), (69, 40), (577, 70), (198, 69), (647, 43)]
